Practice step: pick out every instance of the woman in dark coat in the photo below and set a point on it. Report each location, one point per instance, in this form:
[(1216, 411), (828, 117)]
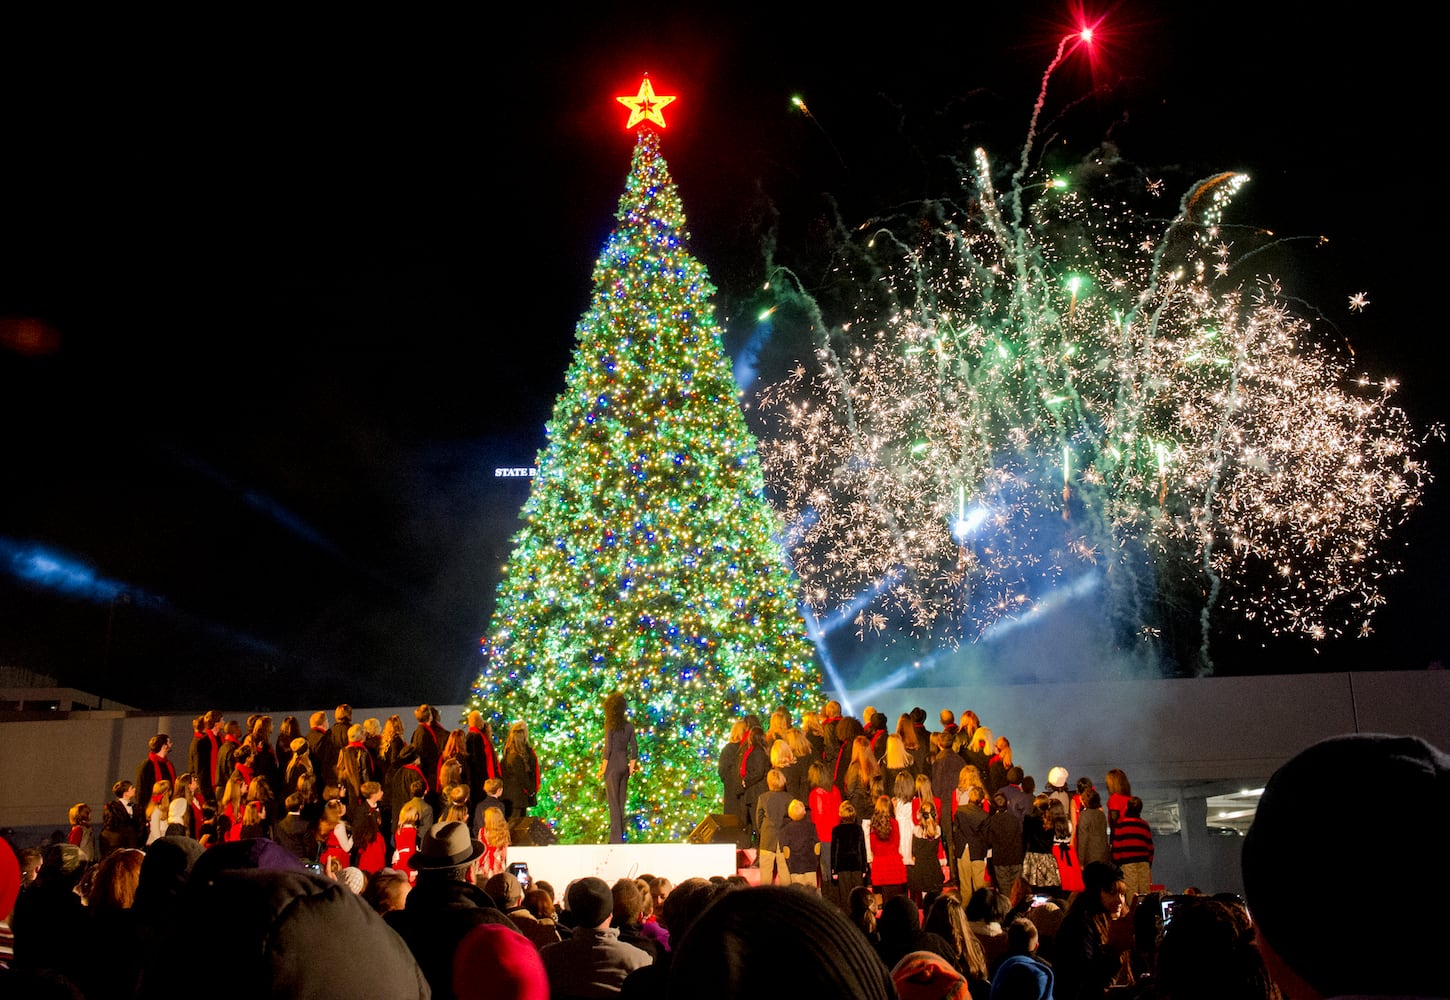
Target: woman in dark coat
[(728, 767), (520, 771), (755, 765)]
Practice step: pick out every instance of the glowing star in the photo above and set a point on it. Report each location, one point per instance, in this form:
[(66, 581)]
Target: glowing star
[(1358, 301), (645, 106)]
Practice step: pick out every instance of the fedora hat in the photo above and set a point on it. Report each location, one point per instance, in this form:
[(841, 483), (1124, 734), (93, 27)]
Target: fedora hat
[(446, 845)]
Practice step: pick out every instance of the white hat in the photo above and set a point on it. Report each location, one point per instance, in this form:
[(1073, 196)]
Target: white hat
[(1057, 777), (354, 878)]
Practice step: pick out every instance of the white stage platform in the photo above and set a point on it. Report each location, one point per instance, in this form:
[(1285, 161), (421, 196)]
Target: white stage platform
[(560, 864)]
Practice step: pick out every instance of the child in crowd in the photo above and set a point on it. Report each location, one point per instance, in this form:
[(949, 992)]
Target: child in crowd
[(771, 814), (849, 865), (406, 840), (824, 807), (801, 847), (81, 833)]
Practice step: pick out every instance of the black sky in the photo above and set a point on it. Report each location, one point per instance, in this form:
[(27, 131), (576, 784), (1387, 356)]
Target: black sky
[(301, 287)]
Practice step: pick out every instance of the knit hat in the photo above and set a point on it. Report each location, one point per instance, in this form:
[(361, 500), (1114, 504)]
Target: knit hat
[(353, 878), (497, 961), (294, 936), (1303, 919), (504, 889), (1057, 777), (588, 901), (165, 871), (1022, 977), (749, 941), (925, 975), (251, 853), (9, 878)]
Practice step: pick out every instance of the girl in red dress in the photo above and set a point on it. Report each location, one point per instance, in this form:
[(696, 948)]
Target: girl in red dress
[(883, 843), (406, 840), (334, 835)]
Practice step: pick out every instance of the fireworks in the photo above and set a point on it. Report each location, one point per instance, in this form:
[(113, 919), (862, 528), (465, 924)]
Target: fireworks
[(1050, 392)]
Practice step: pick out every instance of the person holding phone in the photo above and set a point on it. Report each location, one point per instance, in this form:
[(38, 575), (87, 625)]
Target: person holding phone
[(621, 759)]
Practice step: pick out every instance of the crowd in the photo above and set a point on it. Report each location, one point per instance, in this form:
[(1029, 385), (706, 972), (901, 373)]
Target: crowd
[(892, 861)]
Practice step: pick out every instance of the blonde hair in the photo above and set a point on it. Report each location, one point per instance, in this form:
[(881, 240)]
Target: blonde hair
[(775, 779), (781, 754), (80, 814), (797, 809), (410, 813), (518, 739), (495, 828), (162, 789), (779, 723), (897, 756)]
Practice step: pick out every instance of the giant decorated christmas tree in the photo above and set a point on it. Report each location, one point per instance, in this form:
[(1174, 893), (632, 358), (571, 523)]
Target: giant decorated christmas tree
[(647, 562)]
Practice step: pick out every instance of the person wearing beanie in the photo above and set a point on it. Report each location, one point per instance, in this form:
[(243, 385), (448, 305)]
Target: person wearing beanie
[(290, 933), (1022, 977), (354, 878), (1311, 945), (177, 815), (925, 975), (592, 961), (494, 961)]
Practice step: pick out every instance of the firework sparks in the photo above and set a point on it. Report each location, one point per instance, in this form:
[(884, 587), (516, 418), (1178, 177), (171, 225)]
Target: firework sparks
[(1045, 386)]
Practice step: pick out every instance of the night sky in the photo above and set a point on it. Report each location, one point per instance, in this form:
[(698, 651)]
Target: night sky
[(277, 298)]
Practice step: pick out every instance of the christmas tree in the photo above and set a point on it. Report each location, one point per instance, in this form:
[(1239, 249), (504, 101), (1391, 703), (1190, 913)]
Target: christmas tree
[(647, 562)]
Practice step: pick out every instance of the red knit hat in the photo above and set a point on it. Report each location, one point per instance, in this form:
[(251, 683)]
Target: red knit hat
[(497, 961), (9, 878), (925, 975)]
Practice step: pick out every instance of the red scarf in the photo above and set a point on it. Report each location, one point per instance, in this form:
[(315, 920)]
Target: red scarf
[(163, 768), (744, 756), (490, 756), (419, 772), (440, 735)]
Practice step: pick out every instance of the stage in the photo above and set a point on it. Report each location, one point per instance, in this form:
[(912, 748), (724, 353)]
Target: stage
[(560, 864)]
